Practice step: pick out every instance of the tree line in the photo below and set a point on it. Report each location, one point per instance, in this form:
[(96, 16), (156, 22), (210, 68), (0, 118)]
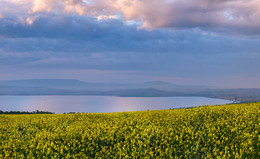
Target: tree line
[(25, 112)]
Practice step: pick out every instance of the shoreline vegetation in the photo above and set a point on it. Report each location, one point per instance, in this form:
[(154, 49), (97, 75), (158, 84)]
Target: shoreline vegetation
[(223, 131), (26, 112)]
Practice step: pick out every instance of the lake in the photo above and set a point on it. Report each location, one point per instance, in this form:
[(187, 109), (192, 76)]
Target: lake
[(98, 104)]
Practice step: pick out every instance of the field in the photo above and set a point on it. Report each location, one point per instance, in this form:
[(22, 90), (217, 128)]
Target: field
[(228, 131)]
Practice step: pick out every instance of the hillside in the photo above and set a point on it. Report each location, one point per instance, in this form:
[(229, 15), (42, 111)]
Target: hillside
[(227, 131)]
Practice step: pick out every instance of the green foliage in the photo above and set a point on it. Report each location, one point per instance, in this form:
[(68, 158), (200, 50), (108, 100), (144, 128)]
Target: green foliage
[(228, 131)]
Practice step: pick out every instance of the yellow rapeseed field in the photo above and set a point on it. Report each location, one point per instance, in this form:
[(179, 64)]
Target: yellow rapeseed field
[(227, 131)]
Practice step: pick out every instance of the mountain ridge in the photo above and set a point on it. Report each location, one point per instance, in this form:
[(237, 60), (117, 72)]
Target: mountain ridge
[(146, 89)]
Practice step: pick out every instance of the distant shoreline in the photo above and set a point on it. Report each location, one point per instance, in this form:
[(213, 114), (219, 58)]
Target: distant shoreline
[(224, 98)]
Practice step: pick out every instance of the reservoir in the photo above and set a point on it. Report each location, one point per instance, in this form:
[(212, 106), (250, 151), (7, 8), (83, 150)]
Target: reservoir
[(101, 104)]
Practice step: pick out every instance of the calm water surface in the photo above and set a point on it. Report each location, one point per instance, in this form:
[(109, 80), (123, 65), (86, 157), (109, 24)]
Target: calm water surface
[(93, 104)]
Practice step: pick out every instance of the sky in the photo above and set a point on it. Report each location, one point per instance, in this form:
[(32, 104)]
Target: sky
[(198, 42)]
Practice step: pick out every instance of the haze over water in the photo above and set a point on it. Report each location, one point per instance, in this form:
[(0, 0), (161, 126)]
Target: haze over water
[(99, 104)]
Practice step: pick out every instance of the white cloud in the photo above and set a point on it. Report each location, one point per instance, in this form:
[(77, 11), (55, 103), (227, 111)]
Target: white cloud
[(105, 17), (28, 20), (239, 16), (42, 5)]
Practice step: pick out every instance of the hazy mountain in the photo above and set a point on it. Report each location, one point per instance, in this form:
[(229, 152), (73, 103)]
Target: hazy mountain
[(173, 87), (50, 83), (19, 90), (142, 92), (72, 84), (147, 89), (68, 84)]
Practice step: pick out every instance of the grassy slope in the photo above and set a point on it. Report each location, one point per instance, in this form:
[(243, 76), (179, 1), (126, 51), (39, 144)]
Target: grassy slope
[(229, 131)]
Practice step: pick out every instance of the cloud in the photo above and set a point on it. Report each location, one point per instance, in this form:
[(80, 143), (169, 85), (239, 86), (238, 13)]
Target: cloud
[(79, 42), (66, 5), (183, 39), (1, 15), (237, 17)]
